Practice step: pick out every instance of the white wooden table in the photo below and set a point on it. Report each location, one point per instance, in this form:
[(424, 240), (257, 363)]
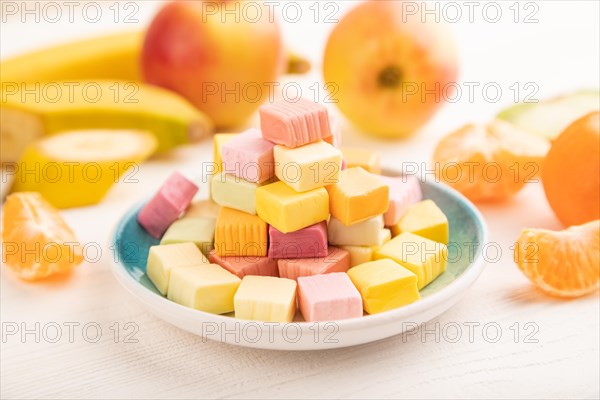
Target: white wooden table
[(545, 348)]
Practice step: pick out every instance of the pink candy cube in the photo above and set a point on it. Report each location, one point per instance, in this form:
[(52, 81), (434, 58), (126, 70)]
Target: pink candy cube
[(249, 157), (245, 265), (167, 205), (336, 260), (404, 192), (328, 297), (294, 124), (310, 242)]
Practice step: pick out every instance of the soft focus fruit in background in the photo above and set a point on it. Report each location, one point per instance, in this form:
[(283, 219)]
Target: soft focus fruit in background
[(36, 241), (116, 105), (77, 168), (564, 263), (489, 162), (113, 56), (571, 172), (387, 70), (190, 50), (550, 117)]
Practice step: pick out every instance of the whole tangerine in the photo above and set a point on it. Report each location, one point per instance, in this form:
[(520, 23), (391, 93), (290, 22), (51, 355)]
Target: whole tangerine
[(571, 172)]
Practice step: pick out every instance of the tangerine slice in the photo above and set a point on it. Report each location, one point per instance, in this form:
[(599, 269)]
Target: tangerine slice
[(561, 263), (489, 162), (36, 240)]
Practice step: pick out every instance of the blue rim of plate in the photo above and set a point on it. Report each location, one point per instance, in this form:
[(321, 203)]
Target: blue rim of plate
[(451, 290)]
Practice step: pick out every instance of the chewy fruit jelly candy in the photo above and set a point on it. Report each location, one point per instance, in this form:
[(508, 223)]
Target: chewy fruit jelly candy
[(384, 285), (287, 210), (294, 124), (358, 196), (328, 297), (303, 243), (336, 260), (424, 219), (172, 199), (249, 157), (265, 298), (208, 288), (424, 257), (308, 167)]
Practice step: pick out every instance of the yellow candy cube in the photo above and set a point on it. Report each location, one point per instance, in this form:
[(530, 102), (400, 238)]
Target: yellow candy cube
[(307, 167), (424, 219), (163, 259), (287, 210), (424, 257), (265, 298), (240, 234), (370, 160), (358, 196), (208, 288), (384, 285)]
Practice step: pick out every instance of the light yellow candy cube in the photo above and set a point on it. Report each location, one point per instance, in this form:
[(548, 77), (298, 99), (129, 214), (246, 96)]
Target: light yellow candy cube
[(307, 167), (424, 219), (202, 209), (265, 298), (200, 231), (424, 257), (228, 190), (384, 285), (163, 259), (208, 288), (365, 233), (359, 254)]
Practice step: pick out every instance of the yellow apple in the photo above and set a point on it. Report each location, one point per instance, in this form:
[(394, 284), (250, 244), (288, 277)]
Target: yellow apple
[(389, 71), (223, 56)]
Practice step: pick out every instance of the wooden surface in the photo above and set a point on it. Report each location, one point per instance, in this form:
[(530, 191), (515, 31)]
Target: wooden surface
[(556, 352)]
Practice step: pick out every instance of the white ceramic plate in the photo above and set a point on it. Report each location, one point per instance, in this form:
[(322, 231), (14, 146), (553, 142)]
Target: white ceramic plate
[(465, 263)]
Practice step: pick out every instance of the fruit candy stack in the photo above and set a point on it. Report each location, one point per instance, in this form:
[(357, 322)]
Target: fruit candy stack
[(287, 225)]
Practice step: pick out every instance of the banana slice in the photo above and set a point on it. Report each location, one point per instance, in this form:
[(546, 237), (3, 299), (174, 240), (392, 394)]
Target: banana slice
[(78, 168)]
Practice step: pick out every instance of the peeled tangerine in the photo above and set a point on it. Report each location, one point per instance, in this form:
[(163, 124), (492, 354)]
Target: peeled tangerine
[(36, 241), (564, 263), (489, 162), (77, 168)]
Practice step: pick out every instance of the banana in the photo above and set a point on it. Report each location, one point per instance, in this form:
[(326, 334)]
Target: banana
[(78, 168), (115, 56), (29, 111), (106, 57)]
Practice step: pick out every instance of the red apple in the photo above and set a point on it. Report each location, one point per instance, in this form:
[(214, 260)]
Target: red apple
[(389, 71), (220, 55)]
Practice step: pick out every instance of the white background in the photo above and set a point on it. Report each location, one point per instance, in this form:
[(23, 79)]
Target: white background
[(558, 53)]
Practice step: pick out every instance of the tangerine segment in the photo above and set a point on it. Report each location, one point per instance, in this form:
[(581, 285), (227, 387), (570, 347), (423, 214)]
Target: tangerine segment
[(562, 263), (489, 162), (36, 241), (571, 172)]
